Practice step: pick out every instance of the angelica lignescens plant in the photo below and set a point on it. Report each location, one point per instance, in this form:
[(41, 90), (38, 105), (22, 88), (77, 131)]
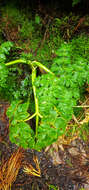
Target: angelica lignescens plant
[(55, 95)]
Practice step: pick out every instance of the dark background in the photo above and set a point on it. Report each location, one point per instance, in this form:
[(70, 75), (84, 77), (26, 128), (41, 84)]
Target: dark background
[(58, 5)]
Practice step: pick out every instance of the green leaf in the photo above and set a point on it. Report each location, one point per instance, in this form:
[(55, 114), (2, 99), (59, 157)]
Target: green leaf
[(18, 112), (37, 19), (60, 124), (2, 57), (22, 135), (6, 46), (12, 108), (3, 74)]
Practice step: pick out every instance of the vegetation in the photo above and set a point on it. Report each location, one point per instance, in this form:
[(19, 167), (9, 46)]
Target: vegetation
[(75, 2), (44, 77), (45, 81), (55, 95)]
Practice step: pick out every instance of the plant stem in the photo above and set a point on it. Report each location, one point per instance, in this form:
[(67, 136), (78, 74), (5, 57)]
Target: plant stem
[(15, 62), (29, 118), (29, 63), (36, 100), (32, 63), (81, 106), (42, 66)]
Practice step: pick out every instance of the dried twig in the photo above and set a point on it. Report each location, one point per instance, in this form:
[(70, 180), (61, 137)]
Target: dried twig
[(9, 170), (30, 170)]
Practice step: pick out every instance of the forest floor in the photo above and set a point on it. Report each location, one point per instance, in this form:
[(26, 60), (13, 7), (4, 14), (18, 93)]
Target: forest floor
[(62, 166)]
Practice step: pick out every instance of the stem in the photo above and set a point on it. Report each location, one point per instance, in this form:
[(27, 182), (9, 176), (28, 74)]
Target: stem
[(80, 106), (30, 117), (42, 66), (15, 62), (36, 100), (31, 63)]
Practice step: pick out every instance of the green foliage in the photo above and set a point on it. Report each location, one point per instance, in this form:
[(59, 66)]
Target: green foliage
[(27, 29), (20, 132), (54, 94), (17, 112), (18, 84), (37, 19), (58, 94), (13, 14), (24, 27), (3, 74), (73, 70), (4, 50), (52, 187), (74, 2), (30, 31)]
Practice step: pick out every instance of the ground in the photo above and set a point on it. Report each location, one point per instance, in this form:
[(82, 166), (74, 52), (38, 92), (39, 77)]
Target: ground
[(66, 167)]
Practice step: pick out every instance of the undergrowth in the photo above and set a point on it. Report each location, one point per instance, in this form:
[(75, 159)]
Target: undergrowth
[(48, 99), (43, 94)]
